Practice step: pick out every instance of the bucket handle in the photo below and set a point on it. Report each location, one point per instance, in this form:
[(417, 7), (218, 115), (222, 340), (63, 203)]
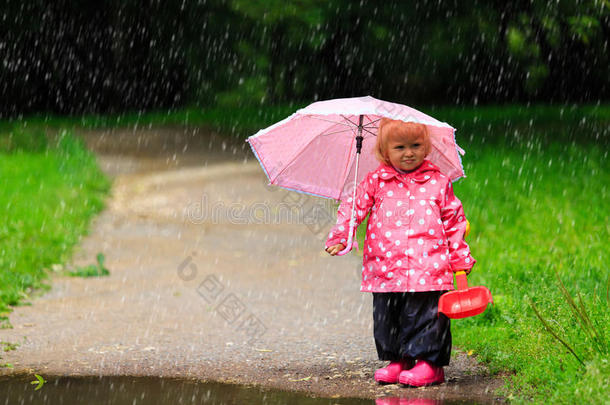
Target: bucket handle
[(461, 281)]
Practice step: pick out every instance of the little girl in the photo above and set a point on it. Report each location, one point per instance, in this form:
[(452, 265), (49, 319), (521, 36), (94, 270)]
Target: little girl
[(414, 243)]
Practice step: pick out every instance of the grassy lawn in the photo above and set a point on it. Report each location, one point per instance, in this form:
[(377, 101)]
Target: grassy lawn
[(539, 209), (536, 195), (50, 188)]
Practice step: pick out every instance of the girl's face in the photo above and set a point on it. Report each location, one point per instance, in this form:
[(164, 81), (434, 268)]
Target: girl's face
[(407, 154)]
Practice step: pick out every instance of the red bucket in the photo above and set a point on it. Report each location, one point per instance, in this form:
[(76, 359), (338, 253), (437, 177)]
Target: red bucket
[(464, 302)]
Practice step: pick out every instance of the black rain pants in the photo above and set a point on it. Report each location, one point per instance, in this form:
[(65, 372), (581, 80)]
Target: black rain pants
[(407, 326)]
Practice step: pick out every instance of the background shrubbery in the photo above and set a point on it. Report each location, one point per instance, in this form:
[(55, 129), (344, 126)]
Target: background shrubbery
[(113, 56)]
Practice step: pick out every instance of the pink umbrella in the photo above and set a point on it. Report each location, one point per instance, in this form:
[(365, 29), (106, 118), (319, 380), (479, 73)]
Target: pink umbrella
[(319, 149)]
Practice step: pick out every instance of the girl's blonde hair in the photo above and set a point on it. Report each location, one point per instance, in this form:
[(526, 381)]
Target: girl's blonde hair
[(398, 130)]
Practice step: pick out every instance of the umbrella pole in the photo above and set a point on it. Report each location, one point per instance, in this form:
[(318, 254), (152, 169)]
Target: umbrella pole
[(352, 221)]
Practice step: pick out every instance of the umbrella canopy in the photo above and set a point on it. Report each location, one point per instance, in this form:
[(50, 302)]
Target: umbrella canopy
[(314, 149)]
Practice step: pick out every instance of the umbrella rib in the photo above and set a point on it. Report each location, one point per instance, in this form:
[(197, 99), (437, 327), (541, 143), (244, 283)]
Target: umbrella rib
[(370, 125), (340, 123), (336, 132), (350, 121), (365, 126), (334, 122), (372, 133), (353, 129), (372, 121)]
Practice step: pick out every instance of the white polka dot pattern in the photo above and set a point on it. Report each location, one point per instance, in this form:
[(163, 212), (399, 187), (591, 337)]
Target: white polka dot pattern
[(414, 240)]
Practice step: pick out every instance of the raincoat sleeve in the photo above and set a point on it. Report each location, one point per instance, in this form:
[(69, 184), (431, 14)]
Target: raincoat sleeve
[(364, 201), (454, 223)]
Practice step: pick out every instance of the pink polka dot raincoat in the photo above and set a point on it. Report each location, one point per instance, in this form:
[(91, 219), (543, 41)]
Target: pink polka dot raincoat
[(415, 234)]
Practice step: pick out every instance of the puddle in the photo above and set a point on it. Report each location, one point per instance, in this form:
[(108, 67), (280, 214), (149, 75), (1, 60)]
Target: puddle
[(157, 391)]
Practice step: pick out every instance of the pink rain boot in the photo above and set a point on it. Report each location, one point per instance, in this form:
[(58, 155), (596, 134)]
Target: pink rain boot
[(422, 374), (389, 374)]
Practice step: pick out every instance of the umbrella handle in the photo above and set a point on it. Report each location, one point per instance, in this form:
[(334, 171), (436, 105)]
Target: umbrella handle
[(348, 248), (351, 243), (352, 222)]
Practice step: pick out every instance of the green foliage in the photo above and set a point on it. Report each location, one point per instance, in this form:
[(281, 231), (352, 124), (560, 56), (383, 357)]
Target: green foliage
[(585, 27), (435, 51), (517, 44), (239, 122), (48, 195), (22, 139), (590, 336), (38, 382), (249, 91), (116, 56), (8, 346), (93, 270)]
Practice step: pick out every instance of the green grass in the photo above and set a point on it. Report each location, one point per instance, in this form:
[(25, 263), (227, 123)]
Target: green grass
[(92, 270), (537, 210), (50, 188)]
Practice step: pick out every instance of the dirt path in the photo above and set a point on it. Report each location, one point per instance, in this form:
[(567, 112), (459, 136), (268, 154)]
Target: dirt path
[(215, 277)]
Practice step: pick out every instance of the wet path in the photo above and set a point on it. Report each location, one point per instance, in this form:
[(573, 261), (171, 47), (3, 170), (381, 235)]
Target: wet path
[(214, 277)]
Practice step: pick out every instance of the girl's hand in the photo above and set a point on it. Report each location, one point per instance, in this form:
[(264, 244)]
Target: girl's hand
[(333, 250)]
